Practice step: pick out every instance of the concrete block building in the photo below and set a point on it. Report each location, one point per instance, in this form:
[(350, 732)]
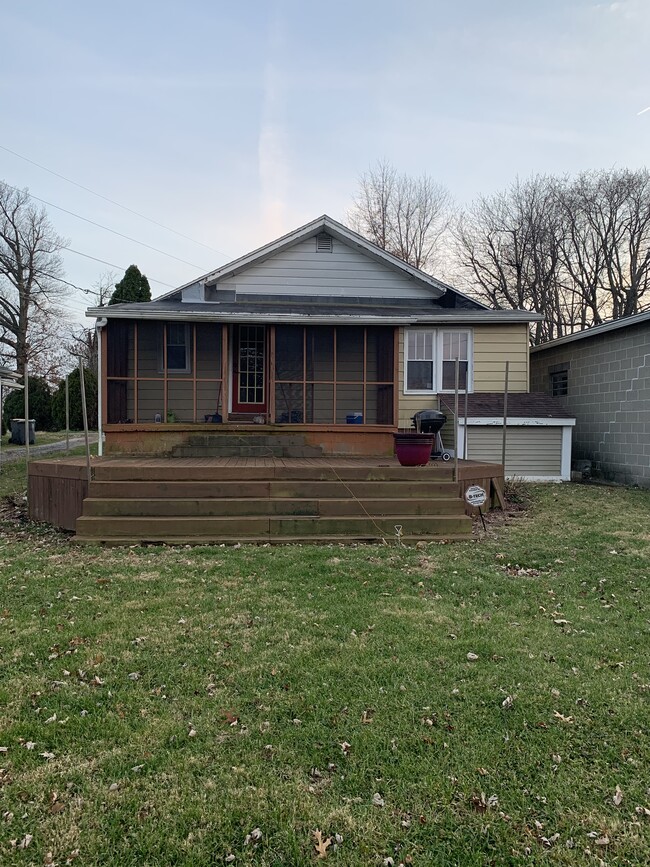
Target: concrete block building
[(602, 376)]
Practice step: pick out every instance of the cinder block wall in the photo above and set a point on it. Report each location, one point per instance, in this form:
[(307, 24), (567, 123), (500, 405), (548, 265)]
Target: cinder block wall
[(609, 393)]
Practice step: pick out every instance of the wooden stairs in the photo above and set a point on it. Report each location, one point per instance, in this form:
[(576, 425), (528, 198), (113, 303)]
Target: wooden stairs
[(212, 501)]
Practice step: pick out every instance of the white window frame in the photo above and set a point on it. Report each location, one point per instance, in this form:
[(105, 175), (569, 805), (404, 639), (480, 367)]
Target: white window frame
[(438, 343), (161, 357), (469, 359)]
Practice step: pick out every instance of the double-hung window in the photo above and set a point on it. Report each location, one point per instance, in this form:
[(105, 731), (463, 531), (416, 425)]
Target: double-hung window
[(178, 347), (430, 360)]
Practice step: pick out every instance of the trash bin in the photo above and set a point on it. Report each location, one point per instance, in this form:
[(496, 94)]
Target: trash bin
[(18, 431)]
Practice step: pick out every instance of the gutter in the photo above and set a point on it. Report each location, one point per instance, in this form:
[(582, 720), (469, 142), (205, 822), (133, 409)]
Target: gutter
[(321, 319)]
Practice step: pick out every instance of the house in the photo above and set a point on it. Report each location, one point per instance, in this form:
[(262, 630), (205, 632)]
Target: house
[(260, 401), (319, 333), (603, 375)]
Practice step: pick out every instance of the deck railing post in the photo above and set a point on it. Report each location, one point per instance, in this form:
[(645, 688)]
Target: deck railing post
[(456, 371), (505, 419), (67, 414), (84, 412)]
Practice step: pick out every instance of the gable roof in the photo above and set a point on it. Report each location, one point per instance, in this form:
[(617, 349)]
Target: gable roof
[(438, 301), (596, 330), (336, 230)]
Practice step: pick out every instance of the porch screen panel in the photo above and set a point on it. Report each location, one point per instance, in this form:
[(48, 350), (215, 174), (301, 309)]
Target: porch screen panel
[(180, 401), (379, 404), (349, 401), (208, 400), (119, 348), (151, 401), (289, 403), (320, 403), (319, 345), (334, 374), (150, 350), (119, 335), (349, 354), (289, 353)]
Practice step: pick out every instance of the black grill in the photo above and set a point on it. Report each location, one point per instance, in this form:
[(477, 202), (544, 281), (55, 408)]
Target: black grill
[(428, 421)]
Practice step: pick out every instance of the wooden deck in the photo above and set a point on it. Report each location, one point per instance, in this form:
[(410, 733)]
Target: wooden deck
[(209, 499)]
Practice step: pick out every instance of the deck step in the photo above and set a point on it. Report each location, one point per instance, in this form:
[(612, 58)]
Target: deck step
[(161, 529), (189, 506), (178, 470), (294, 489), (223, 450)]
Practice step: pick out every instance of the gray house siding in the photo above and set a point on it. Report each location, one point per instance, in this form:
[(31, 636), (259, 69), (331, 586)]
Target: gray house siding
[(303, 270), (608, 383)]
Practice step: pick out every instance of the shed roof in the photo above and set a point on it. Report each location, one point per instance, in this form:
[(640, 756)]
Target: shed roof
[(520, 405), (596, 330)]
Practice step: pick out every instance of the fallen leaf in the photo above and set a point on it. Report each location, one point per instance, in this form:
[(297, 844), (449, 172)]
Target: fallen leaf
[(618, 797), (254, 837), (377, 800), (27, 839), (472, 657), (562, 718), (345, 748), (507, 702), (321, 845), (602, 841)]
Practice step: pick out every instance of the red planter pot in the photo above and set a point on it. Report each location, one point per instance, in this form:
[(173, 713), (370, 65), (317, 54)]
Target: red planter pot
[(413, 449)]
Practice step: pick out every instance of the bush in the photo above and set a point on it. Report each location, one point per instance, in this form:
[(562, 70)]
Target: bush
[(40, 404), (76, 415)]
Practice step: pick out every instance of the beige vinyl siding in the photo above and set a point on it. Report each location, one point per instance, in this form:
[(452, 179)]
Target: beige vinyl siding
[(493, 346), (346, 271), (530, 450)]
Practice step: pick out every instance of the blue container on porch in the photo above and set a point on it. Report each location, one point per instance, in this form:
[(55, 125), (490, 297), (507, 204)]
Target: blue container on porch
[(354, 418)]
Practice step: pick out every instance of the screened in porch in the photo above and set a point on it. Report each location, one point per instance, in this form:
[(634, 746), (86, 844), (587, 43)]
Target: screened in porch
[(195, 373)]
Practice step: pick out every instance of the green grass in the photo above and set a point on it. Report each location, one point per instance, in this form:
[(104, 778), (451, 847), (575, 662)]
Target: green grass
[(203, 693)]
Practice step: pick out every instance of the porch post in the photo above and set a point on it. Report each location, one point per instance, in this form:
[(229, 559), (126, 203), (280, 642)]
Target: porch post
[(396, 382), (224, 372), (102, 384), (271, 374)]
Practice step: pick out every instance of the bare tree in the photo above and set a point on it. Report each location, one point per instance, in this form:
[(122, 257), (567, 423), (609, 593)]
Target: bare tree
[(30, 270), (507, 246), (576, 250), (406, 216)]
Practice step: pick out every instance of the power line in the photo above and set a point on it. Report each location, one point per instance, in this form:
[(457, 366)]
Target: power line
[(113, 231), (112, 201), (113, 265)]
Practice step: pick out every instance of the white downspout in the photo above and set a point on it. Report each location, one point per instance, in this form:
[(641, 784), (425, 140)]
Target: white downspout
[(99, 325)]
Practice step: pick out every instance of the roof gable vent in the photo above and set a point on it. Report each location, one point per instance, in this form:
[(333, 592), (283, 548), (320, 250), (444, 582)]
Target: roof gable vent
[(324, 243)]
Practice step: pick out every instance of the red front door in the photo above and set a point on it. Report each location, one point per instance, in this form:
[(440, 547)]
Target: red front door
[(249, 369)]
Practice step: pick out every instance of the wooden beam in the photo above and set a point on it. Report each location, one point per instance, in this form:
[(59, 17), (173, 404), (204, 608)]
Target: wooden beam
[(271, 374)]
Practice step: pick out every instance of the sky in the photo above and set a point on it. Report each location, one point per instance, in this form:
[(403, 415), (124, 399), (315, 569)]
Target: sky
[(234, 123)]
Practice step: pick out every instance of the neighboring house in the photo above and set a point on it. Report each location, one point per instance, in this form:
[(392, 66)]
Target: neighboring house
[(319, 333), (602, 375)]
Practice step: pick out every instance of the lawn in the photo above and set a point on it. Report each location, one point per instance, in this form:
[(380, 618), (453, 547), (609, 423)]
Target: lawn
[(42, 437), (475, 703)]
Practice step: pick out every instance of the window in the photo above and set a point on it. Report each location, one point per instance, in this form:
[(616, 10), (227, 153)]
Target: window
[(420, 358), (560, 383), (455, 345), (430, 358), (178, 347)]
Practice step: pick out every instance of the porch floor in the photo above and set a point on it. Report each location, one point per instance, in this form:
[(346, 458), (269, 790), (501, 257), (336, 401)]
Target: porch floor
[(206, 500)]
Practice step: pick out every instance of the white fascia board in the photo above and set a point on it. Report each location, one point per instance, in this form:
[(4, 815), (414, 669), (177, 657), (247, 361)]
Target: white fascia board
[(522, 421), (462, 318)]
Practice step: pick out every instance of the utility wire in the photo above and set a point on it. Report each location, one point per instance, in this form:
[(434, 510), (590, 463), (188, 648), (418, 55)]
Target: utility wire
[(112, 265), (113, 231), (113, 202)]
